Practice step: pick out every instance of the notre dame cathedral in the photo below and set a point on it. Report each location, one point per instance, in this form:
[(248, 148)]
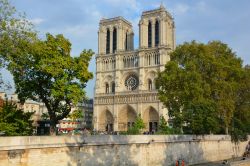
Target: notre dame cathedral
[(125, 77)]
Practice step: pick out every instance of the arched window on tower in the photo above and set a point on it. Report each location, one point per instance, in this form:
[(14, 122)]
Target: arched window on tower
[(108, 42), (126, 41), (150, 85), (114, 40), (149, 34), (113, 87), (106, 87), (157, 33)]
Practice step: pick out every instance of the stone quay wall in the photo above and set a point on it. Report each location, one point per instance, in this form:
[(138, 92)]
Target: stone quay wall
[(142, 150)]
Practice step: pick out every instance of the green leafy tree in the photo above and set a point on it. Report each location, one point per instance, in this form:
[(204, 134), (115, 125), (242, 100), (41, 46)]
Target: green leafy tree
[(164, 128), (43, 70), (139, 123), (240, 122), (76, 114), (201, 119), (16, 32), (14, 121), (199, 87), (137, 127), (47, 72), (45, 116)]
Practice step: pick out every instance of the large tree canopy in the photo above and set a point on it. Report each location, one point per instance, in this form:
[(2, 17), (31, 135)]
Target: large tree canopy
[(241, 122), (200, 87), (16, 32), (45, 71)]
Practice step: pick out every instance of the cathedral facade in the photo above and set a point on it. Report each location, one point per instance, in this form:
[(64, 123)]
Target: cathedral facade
[(125, 77)]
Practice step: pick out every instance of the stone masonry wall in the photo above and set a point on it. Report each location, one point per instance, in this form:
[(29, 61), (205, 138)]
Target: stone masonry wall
[(143, 150)]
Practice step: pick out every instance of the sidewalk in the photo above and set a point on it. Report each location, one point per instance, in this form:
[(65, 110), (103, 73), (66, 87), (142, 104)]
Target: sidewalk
[(230, 162)]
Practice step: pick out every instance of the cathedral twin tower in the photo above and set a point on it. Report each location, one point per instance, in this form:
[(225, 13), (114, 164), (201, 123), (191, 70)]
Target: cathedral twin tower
[(125, 78)]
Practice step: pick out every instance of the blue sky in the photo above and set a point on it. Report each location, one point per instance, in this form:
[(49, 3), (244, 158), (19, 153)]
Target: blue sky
[(201, 20)]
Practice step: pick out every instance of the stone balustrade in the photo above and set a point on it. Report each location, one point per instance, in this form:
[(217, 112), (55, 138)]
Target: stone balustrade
[(125, 97)]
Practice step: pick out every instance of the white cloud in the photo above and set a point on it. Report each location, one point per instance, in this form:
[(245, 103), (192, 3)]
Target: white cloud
[(79, 30), (37, 21), (181, 8), (201, 6), (132, 4)]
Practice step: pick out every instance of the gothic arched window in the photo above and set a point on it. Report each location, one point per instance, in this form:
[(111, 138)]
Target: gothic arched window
[(108, 42), (113, 87), (107, 88), (157, 34), (150, 85), (114, 40), (149, 34)]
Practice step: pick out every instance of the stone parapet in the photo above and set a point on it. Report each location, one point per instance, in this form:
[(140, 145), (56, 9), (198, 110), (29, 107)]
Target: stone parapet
[(145, 150)]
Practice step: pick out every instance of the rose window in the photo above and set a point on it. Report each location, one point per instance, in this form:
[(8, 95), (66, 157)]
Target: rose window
[(131, 82)]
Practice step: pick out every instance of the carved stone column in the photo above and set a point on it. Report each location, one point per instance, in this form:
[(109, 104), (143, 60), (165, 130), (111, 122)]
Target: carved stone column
[(162, 32), (111, 40), (140, 35), (153, 32), (169, 34), (173, 33), (115, 118), (98, 64), (101, 40), (95, 117), (122, 38), (143, 34), (119, 37)]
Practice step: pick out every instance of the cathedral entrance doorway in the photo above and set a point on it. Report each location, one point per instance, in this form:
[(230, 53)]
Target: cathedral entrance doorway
[(127, 117), (106, 121), (109, 127), (151, 119), (153, 126)]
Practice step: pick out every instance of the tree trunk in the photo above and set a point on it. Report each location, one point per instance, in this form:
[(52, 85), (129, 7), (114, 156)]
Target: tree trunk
[(226, 130), (53, 122), (53, 128)]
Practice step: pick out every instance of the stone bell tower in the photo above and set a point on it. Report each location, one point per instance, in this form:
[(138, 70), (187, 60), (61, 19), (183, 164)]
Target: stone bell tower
[(115, 35), (157, 29), (125, 78)]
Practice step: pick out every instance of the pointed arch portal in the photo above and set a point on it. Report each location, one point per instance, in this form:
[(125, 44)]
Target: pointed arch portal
[(127, 116), (106, 121), (151, 119)]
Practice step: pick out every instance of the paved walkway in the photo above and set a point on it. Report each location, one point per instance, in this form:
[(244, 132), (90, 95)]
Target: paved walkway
[(230, 162)]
